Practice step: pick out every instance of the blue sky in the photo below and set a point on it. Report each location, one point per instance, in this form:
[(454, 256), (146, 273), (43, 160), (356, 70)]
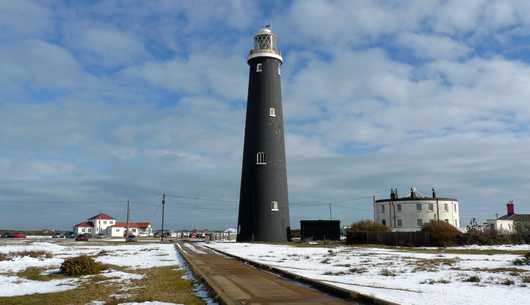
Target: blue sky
[(108, 101)]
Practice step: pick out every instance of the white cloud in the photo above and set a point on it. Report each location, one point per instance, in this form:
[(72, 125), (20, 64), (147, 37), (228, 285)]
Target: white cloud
[(433, 46), (105, 46), (202, 72), (21, 18)]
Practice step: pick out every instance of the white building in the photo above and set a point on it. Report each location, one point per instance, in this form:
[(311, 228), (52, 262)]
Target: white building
[(96, 225), (141, 229), (500, 225), (407, 214)]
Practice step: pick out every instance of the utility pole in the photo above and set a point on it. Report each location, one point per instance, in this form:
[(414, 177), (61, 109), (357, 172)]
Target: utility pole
[(330, 218), (163, 211), (128, 216)]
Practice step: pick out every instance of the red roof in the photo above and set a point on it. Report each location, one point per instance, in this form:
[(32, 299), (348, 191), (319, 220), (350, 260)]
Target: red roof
[(84, 224), (139, 225), (101, 216)]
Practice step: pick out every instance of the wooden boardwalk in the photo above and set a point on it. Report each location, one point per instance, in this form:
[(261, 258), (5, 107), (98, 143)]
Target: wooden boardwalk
[(237, 283)]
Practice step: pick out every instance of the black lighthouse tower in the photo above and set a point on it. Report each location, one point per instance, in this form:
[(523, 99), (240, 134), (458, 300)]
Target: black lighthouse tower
[(263, 201)]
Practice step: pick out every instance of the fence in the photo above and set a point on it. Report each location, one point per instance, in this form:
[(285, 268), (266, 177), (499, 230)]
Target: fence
[(407, 239)]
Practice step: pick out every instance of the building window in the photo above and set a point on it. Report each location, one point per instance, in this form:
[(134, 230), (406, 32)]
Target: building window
[(446, 207), (274, 206), (399, 207), (383, 222), (419, 222), (279, 72), (104, 222), (82, 230), (89, 230), (259, 67), (399, 223), (418, 206), (272, 112), (431, 207), (382, 209), (454, 207), (261, 158)]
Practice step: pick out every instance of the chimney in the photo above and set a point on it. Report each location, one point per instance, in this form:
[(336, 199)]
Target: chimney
[(433, 193), (510, 208)]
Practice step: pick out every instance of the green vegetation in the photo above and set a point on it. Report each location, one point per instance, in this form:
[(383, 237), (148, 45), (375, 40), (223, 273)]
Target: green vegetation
[(368, 226), (525, 260), (35, 274), (81, 265), (163, 284), (386, 272), (472, 279), (442, 233), (34, 254)]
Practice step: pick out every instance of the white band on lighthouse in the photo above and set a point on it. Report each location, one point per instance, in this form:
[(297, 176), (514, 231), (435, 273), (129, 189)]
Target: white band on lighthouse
[(265, 54)]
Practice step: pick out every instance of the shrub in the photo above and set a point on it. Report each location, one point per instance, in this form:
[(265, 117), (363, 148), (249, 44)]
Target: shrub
[(386, 272), (442, 233), (368, 226), (81, 265), (472, 279), (489, 237), (525, 260)]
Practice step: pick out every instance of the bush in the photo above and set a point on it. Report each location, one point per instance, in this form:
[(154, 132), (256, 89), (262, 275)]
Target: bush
[(368, 226), (489, 237), (442, 233), (473, 279), (525, 260), (81, 265)]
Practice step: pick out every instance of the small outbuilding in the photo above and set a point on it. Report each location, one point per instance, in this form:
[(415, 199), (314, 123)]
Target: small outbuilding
[(320, 229)]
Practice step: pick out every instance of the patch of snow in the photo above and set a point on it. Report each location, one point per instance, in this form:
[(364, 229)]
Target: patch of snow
[(13, 286), (403, 277), (193, 248), (150, 303), (122, 276), (524, 247)]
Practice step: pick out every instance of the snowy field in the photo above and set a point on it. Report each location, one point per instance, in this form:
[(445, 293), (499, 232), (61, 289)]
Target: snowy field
[(137, 256), (401, 276)]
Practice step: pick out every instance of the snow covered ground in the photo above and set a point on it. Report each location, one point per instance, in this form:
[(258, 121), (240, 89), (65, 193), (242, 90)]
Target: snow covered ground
[(127, 255), (403, 277)]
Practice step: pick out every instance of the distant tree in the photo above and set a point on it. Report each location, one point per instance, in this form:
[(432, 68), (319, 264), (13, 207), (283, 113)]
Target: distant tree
[(368, 226), (442, 233)]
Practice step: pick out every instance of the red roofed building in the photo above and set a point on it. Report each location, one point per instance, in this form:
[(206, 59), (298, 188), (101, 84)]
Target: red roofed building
[(104, 224), (119, 229), (84, 228), (96, 225)]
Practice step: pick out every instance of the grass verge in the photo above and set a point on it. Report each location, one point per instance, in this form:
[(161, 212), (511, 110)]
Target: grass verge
[(159, 284)]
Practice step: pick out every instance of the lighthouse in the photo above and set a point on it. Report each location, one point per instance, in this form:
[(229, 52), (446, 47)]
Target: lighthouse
[(263, 201)]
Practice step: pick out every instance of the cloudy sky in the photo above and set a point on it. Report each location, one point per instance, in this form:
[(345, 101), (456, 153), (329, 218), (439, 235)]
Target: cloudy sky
[(107, 101)]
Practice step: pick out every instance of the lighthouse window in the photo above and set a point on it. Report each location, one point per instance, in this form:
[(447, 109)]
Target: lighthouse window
[(259, 67), (399, 223), (279, 72), (274, 206), (261, 158), (272, 112)]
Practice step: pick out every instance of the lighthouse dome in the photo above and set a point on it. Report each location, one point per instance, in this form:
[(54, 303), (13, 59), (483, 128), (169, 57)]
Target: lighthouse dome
[(265, 44)]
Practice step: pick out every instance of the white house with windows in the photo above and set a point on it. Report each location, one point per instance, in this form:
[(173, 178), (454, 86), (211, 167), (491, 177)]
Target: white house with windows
[(96, 225), (408, 214), (141, 229), (105, 225)]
